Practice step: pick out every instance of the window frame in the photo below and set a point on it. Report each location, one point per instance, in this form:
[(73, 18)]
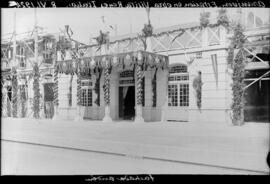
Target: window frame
[(181, 79), (86, 95)]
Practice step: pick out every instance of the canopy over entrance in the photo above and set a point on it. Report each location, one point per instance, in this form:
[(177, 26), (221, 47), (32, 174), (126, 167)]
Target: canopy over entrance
[(120, 61)]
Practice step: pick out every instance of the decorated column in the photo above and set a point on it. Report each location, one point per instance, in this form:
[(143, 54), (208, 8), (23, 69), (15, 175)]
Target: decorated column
[(138, 110), (14, 98), (106, 88), (56, 102), (4, 101)]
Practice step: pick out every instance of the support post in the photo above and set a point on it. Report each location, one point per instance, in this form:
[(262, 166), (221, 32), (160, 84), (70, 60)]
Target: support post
[(107, 118), (79, 115), (138, 110), (165, 105)]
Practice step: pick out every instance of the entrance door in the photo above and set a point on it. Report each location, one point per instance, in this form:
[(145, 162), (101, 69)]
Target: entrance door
[(127, 102)]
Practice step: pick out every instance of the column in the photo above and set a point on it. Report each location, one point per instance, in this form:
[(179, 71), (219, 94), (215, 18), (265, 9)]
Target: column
[(56, 100), (138, 108), (165, 104), (107, 118)]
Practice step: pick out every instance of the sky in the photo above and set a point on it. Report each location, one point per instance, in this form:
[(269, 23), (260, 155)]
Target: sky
[(86, 22)]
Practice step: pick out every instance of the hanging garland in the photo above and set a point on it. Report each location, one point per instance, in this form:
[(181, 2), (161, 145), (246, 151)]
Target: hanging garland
[(9, 97), (139, 84), (97, 88), (14, 98), (154, 89), (55, 78), (70, 91), (197, 85), (238, 67), (23, 100), (78, 88), (4, 102), (36, 101), (106, 86)]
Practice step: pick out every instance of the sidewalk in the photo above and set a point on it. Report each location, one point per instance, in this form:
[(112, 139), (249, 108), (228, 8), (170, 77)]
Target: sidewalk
[(243, 147)]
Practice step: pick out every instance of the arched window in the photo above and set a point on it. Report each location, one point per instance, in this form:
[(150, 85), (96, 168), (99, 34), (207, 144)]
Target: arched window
[(178, 87)]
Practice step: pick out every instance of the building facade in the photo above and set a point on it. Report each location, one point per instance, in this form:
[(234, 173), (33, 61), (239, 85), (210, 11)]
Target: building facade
[(86, 88)]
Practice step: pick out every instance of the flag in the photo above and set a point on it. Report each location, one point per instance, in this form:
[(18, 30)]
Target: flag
[(215, 67), (68, 30)]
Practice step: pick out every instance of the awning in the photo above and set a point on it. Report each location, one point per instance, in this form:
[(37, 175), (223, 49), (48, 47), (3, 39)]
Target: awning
[(119, 60)]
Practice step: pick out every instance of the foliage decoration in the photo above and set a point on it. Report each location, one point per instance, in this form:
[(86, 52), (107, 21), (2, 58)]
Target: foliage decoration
[(238, 67), (14, 98), (55, 90), (139, 84), (97, 88), (147, 30), (23, 100), (154, 89), (204, 19), (197, 85), (222, 18), (106, 86), (37, 95)]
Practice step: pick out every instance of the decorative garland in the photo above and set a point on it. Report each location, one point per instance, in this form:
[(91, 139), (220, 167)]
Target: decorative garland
[(143, 91), (238, 67), (97, 88), (14, 98), (78, 88), (139, 84), (204, 19), (23, 100), (70, 91), (106, 86), (55, 91), (36, 101), (222, 18), (154, 89), (4, 102), (8, 102), (147, 30), (197, 85)]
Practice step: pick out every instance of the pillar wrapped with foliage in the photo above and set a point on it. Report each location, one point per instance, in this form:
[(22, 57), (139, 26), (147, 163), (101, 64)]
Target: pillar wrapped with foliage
[(106, 86), (78, 88), (4, 102), (14, 98), (23, 100), (238, 67), (55, 91), (154, 89), (97, 88), (36, 101), (139, 84), (197, 85)]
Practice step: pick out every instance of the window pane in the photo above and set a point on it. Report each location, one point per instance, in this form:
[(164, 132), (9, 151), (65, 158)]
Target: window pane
[(184, 94), (172, 95)]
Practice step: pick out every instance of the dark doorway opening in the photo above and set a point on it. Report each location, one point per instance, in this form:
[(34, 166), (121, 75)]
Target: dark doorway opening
[(257, 98), (127, 102)]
